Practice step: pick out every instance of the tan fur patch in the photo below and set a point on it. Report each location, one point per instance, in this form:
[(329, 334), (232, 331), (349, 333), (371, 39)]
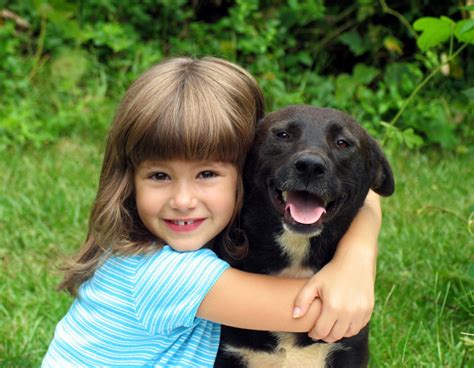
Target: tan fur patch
[(287, 355), (296, 247)]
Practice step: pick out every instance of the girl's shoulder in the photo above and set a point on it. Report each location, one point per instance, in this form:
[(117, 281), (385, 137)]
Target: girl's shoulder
[(166, 257), (163, 260)]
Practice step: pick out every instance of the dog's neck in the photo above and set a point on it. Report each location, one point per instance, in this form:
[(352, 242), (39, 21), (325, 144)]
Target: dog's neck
[(296, 248), (300, 255)]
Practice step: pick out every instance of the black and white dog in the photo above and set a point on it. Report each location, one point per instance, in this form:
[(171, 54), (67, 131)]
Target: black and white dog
[(307, 176)]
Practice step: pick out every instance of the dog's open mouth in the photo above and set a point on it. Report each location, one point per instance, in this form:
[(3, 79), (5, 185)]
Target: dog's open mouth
[(303, 207), (302, 211)]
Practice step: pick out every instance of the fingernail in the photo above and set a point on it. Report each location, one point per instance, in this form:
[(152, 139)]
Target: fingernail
[(296, 312)]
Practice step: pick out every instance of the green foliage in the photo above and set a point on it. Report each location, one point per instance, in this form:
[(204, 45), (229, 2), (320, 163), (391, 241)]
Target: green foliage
[(434, 31), (63, 73), (438, 30)]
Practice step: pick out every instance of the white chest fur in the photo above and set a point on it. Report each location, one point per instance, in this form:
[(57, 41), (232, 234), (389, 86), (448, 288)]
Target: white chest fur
[(288, 354), (296, 248)]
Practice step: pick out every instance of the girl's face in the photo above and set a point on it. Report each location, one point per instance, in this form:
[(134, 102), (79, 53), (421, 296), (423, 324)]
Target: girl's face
[(185, 203)]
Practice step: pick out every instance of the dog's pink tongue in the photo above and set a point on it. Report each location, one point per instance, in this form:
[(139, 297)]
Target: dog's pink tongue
[(304, 209)]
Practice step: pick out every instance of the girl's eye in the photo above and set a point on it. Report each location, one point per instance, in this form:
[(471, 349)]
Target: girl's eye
[(159, 176), (341, 143), (207, 174)]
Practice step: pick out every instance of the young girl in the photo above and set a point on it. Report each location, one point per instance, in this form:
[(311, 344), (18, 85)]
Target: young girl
[(150, 291)]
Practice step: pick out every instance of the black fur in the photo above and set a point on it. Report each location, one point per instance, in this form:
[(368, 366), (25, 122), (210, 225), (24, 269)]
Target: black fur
[(323, 152)]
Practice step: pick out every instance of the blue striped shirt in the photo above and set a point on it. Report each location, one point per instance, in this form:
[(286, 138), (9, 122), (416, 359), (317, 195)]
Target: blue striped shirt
[(141, 311)]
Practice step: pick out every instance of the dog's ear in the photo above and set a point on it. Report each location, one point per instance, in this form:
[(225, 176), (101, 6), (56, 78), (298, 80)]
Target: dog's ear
[(382, 181)]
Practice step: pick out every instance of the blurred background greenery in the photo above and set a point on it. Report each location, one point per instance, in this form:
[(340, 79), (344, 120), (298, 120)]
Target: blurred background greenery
[(403, 68), (65, 64)]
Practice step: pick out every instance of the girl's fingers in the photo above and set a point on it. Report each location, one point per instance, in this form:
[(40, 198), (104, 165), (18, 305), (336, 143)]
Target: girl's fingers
[(324, 325), (344, 328), (305, 297), (333, 325), (353, 330), (338, 331)]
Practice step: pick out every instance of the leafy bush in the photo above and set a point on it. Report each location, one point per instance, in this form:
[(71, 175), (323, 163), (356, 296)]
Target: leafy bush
[(402, 72)]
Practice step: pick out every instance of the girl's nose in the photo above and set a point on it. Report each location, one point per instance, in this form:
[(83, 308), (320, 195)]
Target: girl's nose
[(183, 198)]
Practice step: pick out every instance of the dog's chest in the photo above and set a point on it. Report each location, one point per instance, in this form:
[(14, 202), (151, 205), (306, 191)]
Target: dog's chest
[(287, 354)]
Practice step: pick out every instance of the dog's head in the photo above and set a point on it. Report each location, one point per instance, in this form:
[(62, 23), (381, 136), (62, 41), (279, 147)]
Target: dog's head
[(315, 165)]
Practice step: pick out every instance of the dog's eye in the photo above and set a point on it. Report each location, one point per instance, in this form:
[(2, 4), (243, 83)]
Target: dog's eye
[(282, 134), (341, 143)]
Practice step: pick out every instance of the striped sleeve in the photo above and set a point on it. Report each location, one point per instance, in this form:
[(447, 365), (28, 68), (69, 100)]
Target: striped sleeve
[(169, 288)]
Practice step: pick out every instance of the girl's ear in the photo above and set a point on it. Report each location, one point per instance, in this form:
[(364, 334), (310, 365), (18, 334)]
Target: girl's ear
[(382, 181)]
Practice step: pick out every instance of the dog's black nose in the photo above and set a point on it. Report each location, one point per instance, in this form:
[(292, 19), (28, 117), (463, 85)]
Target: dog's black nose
[(310, 164)]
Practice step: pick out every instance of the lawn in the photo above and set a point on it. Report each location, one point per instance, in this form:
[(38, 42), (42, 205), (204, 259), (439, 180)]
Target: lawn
[(424, 297)]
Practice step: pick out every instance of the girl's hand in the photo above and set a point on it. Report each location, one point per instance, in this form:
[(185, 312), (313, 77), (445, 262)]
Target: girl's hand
[(346, 291), (346, 284)]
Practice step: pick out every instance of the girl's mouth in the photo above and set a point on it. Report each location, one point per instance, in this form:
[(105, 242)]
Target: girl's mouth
[(184, 225)]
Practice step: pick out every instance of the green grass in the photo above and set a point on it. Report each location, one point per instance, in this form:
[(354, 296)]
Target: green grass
[(44, 203), (424, 297)]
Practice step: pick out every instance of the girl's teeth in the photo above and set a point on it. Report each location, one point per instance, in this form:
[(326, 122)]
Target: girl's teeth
[(182, 222)]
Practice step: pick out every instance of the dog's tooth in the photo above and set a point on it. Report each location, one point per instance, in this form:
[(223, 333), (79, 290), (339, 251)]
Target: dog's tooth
[(284, 195)]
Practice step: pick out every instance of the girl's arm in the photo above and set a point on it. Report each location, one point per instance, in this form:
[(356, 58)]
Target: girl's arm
[(345, 285), (257, 302)]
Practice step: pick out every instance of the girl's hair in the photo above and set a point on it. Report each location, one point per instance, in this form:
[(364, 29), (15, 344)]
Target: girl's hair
[(182, 108)]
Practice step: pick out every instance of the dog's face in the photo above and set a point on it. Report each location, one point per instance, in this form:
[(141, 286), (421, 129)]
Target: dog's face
[(314, 165)]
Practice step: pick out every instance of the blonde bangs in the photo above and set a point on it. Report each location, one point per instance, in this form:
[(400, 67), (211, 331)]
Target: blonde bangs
[(195, 117)]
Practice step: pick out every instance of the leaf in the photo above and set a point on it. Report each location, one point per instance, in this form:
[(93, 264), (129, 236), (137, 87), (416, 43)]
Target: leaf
[(364, 74), (393, 44), (434, 31), (407, 136), (411, 139), (469, 92), (355, 43), (345, 88), (305, 58), (464, 31), (448, 20), (464, 26)]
